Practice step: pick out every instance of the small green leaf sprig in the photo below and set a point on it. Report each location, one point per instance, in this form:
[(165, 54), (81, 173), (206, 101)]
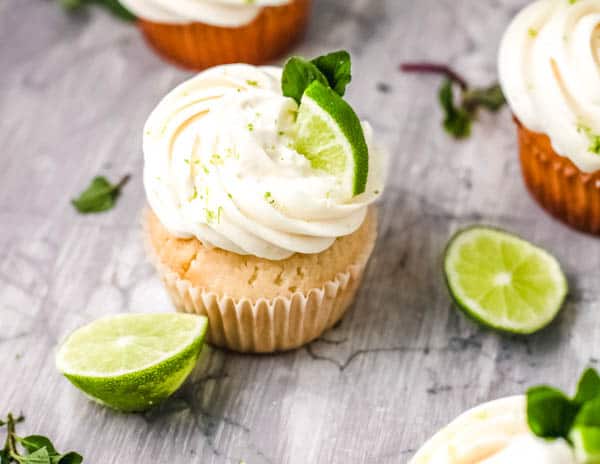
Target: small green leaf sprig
[(33, 449), (459, 117), (333, 70), (100, 195), (551, 414), (114, 6)]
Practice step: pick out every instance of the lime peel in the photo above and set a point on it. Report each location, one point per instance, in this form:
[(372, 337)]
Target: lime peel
[(132, 362), (502, 281)]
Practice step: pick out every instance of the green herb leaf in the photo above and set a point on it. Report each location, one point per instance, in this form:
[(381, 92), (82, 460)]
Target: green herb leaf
[(39, 449), (70, 458), (114, 6), (490, 98), (589, 415), (297, 75), (337, 68), (40, 456), (457, 120), (588, 388), (100, 196), (550, 414), (33, 443), (586, 442)]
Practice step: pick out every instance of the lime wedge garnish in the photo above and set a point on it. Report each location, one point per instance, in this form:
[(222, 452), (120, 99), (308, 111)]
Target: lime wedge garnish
[(502, 281), (131, 362), (330, 135)]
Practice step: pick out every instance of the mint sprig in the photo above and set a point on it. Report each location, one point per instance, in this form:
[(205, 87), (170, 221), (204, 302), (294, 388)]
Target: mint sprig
[(33, 449), (459, 113), (551, 414), (332, 70)]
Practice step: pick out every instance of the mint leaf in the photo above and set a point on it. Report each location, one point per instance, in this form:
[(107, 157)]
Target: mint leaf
[(113, 6), (491, 98), (589, 415), (297, 75), (33, 443), (337, 68), (588, 388), (100, 196), (457, 120), (40, 456), (586, 442), (550, 414), (69, 458)]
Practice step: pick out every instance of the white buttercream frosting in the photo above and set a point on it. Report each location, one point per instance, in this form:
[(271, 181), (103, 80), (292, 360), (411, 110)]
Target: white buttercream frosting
[(220, 165), (493, 433), (549, 67), (226, 13)]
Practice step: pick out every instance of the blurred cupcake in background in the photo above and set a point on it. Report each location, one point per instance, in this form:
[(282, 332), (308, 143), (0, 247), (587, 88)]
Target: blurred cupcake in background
[(550, 73), (199, 34)]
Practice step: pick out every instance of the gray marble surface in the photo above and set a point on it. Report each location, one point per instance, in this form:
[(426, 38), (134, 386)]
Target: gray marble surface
[(74, 95)]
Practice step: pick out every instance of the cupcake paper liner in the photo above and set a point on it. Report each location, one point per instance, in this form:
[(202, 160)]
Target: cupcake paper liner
[(200, 46), (557, 184), (265, 325)]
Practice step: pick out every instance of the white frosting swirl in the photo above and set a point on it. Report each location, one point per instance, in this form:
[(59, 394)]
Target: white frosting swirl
[(225, 13), (220, 165), (493, 433), (550, 72)]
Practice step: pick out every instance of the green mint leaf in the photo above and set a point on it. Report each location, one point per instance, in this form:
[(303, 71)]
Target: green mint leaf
[(589, 415), (33, 443), (337, 68), (114, 6), (297, 75), (457, 120), (40, 456), (588, 388), (69, 458), (586, 443), (100, 196), (491, 98), (550, 414), (117, 9)]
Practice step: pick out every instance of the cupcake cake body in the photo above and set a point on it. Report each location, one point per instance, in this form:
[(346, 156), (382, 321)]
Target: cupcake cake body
[(243, 228), (202, 33), (493, 433), (549, 66)]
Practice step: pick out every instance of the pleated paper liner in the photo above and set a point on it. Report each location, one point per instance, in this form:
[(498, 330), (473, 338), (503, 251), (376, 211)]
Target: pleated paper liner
[(266, 325), (557, 184), (200, 46)]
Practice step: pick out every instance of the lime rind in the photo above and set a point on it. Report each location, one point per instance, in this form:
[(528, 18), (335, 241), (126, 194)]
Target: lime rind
[(331, 136), (148, 385), (537, 282)]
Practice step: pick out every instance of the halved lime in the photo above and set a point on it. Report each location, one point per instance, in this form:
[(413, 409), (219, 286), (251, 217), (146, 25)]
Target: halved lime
[(330, 135), (502, 281), (131, 362)]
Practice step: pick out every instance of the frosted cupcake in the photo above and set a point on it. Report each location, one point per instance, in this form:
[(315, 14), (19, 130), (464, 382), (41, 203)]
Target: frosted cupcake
[(249, 225), (199, 34), (493, 433), (550, 73), (544, 427)]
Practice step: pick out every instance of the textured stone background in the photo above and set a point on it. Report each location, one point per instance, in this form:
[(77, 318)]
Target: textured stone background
[(74, 94)]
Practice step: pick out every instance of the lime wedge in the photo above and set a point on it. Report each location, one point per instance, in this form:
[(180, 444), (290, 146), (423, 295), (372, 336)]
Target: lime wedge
[(586, 441), (131, 362), (330, 135), (502, 281)]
